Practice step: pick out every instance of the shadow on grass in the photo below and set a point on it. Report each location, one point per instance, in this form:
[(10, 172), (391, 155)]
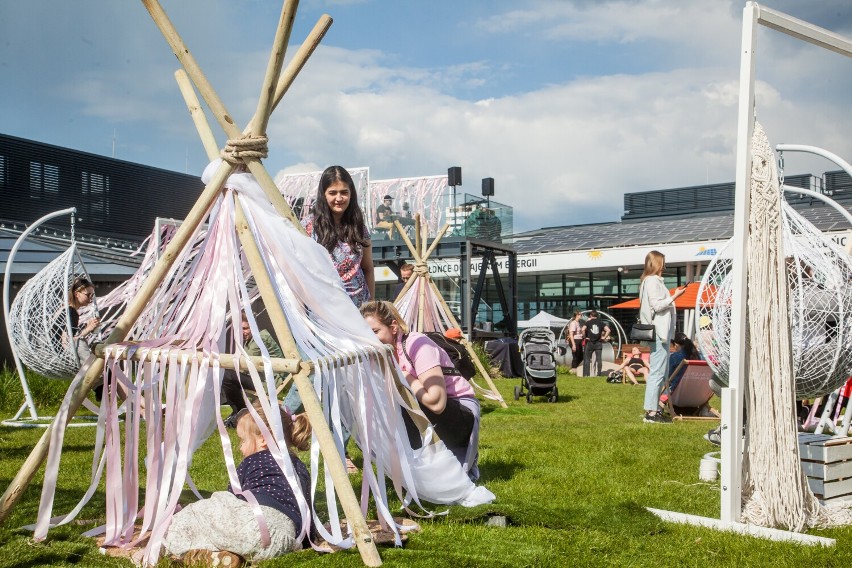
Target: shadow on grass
[(52, 559), (498, 470), (26, 510), (24, 451), (626, 518)]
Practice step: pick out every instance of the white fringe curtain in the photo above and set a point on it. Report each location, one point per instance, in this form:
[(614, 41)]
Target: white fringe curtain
[(177, 394)]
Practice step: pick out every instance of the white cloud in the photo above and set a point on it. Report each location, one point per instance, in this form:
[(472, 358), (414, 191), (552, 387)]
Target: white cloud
[(562, 153), (567, 153)]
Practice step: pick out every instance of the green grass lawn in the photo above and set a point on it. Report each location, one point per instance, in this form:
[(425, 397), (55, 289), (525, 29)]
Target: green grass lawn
[(573, 478)]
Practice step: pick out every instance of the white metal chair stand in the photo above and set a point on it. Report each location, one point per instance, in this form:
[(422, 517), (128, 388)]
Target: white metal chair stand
[(38, 323)]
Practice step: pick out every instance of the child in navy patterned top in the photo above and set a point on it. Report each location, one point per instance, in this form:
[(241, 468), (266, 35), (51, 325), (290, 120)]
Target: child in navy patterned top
[(259, 472), (224, 529)]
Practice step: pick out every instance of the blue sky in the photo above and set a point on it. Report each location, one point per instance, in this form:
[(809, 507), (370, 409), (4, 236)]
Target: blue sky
[(567, 104)]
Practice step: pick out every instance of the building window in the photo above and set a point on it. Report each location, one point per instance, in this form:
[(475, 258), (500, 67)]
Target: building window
[(50, 179), (35, 180), (551, 293), (44, 180), (577, 284), (95, 189), (3, 173)]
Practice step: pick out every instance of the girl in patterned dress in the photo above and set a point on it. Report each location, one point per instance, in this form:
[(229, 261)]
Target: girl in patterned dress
[(337, 223)]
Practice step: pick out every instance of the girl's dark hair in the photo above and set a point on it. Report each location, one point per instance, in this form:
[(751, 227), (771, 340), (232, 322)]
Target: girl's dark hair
[(687, 346), (351, 228)]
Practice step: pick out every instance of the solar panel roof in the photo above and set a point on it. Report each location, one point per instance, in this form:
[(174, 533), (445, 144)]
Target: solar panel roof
[(663, 230)]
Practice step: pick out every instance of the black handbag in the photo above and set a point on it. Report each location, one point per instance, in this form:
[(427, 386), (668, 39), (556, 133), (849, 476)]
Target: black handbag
[(642, 332)]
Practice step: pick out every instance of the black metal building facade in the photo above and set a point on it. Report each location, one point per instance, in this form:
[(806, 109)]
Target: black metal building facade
[(112, 197)]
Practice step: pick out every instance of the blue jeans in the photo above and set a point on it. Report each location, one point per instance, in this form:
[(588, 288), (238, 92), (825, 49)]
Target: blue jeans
[(659, 368)]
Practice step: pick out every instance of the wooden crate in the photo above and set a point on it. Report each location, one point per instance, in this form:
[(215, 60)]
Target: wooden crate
[(827, 463)]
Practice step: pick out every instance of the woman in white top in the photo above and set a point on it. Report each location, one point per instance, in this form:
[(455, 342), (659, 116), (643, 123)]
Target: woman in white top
[(656, 306)]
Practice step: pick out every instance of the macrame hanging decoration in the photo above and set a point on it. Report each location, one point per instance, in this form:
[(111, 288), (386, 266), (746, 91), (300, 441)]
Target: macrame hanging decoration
[(816, 275), (775, 490)]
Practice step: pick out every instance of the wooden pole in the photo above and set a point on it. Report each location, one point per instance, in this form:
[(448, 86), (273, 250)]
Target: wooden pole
[(334, 463), (414, 252), (226, 360), (273, 68), (217, 107), (192, 68), (39, 452), (298, 62), (421, 304), (483, 372), (197, 114), (264, 285), (469, 347), (417, 237), (420, 256), (312, 405), (435, 242), (122, 328)]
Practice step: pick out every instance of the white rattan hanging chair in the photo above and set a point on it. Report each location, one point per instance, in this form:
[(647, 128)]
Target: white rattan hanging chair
[(38, 321), (819, 274)]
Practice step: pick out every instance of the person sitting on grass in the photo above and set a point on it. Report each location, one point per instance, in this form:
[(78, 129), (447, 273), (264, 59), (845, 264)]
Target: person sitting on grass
[(635, 365), (445, 397), (234, 383), (223, 530), (684, 350)]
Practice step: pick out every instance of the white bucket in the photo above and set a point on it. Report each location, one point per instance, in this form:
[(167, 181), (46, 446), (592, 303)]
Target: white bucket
[(707, 470)]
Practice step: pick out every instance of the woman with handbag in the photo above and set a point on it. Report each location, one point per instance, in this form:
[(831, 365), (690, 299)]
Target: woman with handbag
[(656, 306)]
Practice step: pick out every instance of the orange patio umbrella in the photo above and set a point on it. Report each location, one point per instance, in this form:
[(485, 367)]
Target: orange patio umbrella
[(685, 302)]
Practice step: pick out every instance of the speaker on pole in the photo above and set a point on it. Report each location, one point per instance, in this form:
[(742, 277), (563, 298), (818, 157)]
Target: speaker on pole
[(487, 187), (454, 176)]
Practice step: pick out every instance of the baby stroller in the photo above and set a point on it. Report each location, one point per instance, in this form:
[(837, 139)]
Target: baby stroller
[(537, 346)]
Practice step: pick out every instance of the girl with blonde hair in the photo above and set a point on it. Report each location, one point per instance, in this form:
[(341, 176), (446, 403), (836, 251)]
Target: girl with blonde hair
[(445, 397), (656, 306)]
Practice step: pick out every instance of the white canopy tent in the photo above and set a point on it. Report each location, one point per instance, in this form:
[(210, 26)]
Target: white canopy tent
[(544, 319)]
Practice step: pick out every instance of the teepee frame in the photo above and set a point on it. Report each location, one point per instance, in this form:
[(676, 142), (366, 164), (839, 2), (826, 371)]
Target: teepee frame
[(420, 252), (275, 85), (732, 396)]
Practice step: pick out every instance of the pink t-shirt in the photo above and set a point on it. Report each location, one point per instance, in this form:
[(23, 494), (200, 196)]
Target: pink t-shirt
[(426, 354), (575, 329)]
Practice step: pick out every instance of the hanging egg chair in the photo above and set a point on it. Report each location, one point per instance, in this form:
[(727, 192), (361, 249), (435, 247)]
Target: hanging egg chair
[(819, 274), (39, 318), (38, 321)]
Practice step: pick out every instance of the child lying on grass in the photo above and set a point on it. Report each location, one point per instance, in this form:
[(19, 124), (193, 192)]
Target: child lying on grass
[(223, 530)]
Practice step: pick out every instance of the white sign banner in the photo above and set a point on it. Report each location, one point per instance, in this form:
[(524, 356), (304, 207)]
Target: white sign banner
[(590, 260)]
